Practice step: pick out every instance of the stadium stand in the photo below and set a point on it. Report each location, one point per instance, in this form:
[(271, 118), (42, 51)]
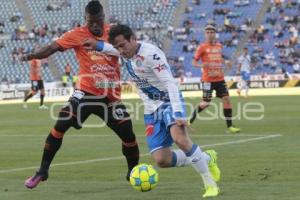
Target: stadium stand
[(274, 46), (59, 16), (149, 18), (233, 18)]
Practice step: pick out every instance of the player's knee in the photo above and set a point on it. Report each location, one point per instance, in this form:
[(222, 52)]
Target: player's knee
[(65, 121), (162, 162), (204, 104), (226, 102)]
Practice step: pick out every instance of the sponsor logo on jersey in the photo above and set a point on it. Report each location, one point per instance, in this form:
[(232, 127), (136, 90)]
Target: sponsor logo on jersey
[(160, 67)]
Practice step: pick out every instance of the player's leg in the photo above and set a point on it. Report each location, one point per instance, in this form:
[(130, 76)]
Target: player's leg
[(240, 87), (247, 83), (159, 140), (31, 93), (118, 119), (206, 99), (222, 92), (199, 160), (190, 154), (161, 131), (68, 116), (42, 94), (247, 88)]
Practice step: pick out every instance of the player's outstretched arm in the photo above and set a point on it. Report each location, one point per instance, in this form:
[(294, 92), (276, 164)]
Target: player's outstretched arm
[(104, 47), (43, 52)]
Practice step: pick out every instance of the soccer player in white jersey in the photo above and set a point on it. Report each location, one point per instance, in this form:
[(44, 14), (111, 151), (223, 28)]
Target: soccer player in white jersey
[(244, 68), (164, 115)]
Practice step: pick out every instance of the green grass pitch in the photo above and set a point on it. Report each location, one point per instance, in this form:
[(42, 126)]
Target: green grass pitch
[(260, 163)]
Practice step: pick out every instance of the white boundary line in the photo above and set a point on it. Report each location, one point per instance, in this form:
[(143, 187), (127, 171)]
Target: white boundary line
[(121, 157)]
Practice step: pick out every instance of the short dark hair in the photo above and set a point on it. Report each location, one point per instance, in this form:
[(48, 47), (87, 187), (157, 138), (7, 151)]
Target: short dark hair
[(120, 29), (94, 7)]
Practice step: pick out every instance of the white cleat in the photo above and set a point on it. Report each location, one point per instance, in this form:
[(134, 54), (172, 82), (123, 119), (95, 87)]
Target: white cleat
[(43, 107), (25, 105)]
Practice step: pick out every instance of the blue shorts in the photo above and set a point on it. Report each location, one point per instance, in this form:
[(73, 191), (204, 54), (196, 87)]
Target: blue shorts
[(158, 127), (245, 76)]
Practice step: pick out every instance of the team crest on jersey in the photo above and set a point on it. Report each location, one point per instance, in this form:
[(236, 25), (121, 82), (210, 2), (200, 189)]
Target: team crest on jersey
[(138, 63), (139, 60)]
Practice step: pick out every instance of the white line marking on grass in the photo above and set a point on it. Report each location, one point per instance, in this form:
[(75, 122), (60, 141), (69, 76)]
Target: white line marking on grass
[(242, 141), (121, 157)]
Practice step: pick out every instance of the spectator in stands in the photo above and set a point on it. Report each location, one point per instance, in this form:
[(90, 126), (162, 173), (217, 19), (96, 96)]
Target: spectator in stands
[(53, 7), (67, 77), (296, 67), (188, 9), (260, 33), (68, 71), (170, 32), (14, 55), (4, 81), (197, 2), (218, 2), (66, 3), (2, 25), (2, 22), (16, 17), (239, 3), (1, 44)]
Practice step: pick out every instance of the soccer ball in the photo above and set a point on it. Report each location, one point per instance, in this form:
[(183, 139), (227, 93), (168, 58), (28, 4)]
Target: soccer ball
[(143, 177)]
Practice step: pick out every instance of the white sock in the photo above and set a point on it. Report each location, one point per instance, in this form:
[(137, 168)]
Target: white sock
[(199, 163), (244, 85), (246, 90), (179, 159)]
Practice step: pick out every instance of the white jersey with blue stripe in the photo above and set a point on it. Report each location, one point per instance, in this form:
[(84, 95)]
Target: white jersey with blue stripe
[(151, 72), (245, 62)]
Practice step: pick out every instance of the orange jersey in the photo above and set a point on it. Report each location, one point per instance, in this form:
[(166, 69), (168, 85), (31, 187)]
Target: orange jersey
[(35, 70), (99, 74), (212, 60)]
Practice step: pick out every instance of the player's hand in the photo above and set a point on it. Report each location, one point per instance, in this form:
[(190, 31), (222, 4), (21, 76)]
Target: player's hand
[(181, 122), (26, 57), (90, 44), (204, 65)]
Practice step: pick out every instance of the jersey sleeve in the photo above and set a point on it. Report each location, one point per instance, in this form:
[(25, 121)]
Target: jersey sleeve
[(161, 69), (199, 53), (107, 48), (68, 40)]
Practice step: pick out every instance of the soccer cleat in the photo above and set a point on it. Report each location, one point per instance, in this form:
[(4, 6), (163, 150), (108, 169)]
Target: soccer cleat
[(25, 105), (212, 165), (33, 181), (211, 191), (43, 107), (128, 175), (233, 129)]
